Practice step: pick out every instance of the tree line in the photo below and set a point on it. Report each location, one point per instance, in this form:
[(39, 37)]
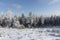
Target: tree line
[(28, 22)]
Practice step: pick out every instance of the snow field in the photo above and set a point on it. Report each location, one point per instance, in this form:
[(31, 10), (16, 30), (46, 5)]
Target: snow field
[(29, 34)]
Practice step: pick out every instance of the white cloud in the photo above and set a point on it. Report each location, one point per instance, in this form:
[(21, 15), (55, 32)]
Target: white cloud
[(53, 1), (17, 6)]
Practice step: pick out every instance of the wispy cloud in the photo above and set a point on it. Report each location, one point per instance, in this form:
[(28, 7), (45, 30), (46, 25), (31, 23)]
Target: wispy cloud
[(49, 1), (54, 1), (17, 6)]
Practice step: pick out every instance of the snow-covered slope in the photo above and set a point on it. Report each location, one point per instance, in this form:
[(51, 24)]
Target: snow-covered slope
[(30, 34)]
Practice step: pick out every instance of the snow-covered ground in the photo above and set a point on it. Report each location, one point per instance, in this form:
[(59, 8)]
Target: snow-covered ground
[(30, 34)]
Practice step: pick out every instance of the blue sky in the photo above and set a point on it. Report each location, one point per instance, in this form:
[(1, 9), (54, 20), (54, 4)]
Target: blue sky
[(38, 7)]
